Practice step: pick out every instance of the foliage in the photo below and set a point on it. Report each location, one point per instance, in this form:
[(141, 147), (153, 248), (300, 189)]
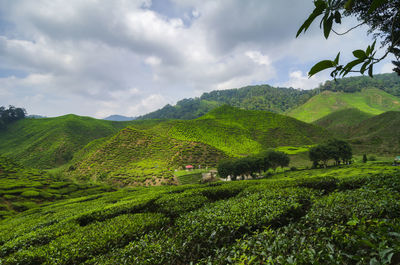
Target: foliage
[(252, 164), (10, 115), (380, 15), (335, 149), (340, 215)]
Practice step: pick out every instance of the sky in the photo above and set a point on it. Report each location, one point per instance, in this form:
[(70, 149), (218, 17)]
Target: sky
[(130, 57)]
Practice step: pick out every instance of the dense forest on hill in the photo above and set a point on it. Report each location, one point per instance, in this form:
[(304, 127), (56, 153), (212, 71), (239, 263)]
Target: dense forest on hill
[(390, 83), (261, 97), (275, 99)]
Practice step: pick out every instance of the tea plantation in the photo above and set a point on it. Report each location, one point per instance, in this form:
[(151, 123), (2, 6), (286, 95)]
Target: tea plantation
[(343, 215)]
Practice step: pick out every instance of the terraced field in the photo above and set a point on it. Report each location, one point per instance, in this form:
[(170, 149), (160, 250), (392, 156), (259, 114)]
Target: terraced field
[(345, 215)]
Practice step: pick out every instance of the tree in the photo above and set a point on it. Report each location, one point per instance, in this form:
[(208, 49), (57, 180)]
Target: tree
[(10, 115), (225, 168), (277, 159), (365, 158), (381, 16)]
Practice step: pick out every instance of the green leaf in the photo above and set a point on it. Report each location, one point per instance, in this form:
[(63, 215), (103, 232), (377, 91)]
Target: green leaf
[(349, 5), (364, 66), (336, 61), (360, 54), (338, 17), (376, 4), (350, 66), (320, 6), (328, 26), (320, 66), (370, 70)]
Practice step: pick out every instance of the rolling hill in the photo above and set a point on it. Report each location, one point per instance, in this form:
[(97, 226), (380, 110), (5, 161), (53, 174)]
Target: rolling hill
[(378, 134), (139, 157), (340, 122), (148, 152), (278, 99), (50, 142), (241, 132), (372, 101)]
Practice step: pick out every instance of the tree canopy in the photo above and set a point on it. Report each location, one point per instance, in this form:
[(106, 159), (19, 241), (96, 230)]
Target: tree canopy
[(10, 115), (382, 18), (252, 164), (335, 149)]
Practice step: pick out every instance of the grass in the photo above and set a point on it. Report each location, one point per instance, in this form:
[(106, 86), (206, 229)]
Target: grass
[(370, 100), (50, 142), (338, 215)]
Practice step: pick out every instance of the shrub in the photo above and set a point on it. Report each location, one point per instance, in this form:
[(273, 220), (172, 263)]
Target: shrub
[(30, 194)]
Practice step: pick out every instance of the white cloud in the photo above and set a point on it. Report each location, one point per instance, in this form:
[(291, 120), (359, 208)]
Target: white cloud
[(299, 80), (126, 57)]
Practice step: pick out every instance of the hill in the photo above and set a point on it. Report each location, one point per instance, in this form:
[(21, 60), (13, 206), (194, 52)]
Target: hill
[(241, 132), (148, 151), (138, 157), (325, 216), (260, 97), (269, 98), (378, 134), (372, 101), (340, 122), (50, 142)]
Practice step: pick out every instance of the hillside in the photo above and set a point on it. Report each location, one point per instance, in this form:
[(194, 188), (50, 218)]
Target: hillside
[(148, 151), (340, 122), (50, 142), (241, 132), (138, 157), (378, 134), (324, 216), (260, 97), (372, 101), (275, 99)]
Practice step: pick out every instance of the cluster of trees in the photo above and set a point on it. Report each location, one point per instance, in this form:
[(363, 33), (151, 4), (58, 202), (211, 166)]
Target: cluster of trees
[(10, 115), (252, 164), (335, 149), (386, 82)]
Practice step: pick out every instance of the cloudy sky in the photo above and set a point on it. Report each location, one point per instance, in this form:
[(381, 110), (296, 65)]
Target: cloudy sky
[(130, 57)]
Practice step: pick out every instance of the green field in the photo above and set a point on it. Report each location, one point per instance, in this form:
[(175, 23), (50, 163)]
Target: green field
[(343, 215), (371, 101)]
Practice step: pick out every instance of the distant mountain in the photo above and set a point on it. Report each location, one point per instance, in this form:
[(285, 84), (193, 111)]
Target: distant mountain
[(118, 118), (50, 142), (34, 116), (369, 100)]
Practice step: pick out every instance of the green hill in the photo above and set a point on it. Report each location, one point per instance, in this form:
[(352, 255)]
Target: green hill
[(340, 122), (241, 132), (140, 157), (275, 99), (260, 97), (372, 101), (50, 142), (148, 151), (378, 134)]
